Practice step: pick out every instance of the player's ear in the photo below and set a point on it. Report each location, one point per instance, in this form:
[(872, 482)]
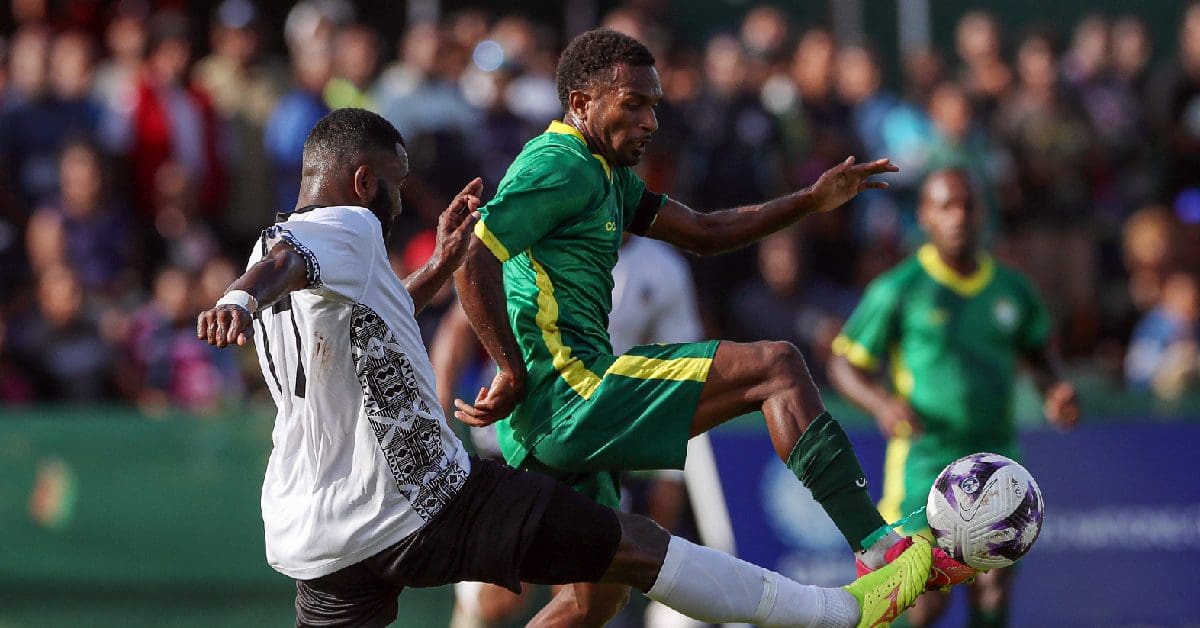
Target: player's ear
[(365, 184), (577, 104)]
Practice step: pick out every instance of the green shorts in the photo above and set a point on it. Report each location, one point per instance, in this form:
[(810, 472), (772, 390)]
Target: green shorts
[(909, 471), (637, 419)]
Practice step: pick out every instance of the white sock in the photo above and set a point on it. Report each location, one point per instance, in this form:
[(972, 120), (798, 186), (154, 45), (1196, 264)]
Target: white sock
[(873, 556), (708, 585)]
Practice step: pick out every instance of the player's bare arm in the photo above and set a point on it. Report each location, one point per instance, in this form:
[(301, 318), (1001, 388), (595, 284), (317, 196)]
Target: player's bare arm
[(1060, 400), (726, 230), (453, 236), (481, 291), (893, 414), (282, 271)]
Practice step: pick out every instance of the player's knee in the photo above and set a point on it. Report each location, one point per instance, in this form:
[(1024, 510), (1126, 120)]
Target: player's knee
[(640, 554), (784, 363)]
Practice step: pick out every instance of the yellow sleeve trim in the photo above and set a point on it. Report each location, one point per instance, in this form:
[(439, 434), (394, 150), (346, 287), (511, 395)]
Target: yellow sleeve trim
[(676, 369), (857, 354), (489, 240)]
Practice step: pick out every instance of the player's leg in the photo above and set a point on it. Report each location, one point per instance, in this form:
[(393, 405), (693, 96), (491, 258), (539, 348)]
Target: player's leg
[(480, 605), (582, 604), (578, 539), (353, 596), (989, 598), (772, 377)]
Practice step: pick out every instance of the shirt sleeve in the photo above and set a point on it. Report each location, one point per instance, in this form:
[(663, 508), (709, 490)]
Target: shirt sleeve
[(532, 202), (1034, 332), (639, 205), (872, 327), (336, 244)]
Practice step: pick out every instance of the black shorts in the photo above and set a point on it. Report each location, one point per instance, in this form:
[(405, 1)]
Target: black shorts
[(505, 527)]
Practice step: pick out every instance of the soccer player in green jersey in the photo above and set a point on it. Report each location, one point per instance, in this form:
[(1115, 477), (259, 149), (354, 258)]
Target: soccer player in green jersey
[(537, 286), (951, 323)]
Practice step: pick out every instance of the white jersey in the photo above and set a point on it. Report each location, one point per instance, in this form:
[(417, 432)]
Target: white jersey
[(362, 454), (653, 298)]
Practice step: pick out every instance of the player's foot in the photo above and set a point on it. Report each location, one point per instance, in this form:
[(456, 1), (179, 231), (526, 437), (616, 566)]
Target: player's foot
[(945, 572), (884, 593)]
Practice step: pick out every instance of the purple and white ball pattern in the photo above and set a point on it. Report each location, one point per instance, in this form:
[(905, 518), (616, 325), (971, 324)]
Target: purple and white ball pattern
[(985, 510)]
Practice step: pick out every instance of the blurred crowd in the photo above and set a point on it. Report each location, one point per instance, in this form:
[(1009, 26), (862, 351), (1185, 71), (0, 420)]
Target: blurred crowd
[(136, 172)]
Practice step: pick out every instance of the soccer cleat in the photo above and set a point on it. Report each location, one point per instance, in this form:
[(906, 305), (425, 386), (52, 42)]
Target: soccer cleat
[(884, 593), (944, 573)]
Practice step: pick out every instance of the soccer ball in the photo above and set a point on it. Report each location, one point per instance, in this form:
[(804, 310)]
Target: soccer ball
[(985, 510)]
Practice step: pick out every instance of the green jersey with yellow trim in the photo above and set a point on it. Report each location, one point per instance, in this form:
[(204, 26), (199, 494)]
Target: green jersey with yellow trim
[(952, 342), (556, 223)]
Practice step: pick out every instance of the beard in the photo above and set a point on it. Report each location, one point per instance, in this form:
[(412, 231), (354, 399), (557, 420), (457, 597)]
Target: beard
[(384, 209)]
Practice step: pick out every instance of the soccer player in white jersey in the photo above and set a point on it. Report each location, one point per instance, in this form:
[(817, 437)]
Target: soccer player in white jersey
[(367, 491)]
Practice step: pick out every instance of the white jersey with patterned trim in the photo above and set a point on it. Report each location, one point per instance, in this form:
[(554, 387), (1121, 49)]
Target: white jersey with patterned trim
[(362, 454)]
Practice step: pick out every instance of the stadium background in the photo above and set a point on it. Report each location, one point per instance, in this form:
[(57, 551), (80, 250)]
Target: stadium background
[(144, 143)]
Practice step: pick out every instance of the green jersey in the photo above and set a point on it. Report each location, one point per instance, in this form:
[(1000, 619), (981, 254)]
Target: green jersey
[(556, 223), (952, 342)]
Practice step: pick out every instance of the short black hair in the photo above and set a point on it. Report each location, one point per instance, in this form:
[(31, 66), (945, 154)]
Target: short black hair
[(593, 55), (345, 133)]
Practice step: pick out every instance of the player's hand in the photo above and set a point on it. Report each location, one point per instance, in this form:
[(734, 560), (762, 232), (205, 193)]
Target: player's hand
[(491, 404), (456, 225), (844, 181), (1062, 405), (897, 419), (224, 325)]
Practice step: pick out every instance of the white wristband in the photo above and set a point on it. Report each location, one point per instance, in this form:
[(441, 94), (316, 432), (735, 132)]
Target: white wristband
[(240, 298)]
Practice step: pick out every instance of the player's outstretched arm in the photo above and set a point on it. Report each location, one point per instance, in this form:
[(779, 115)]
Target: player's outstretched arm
[(893, 415), (282, 271), (453, 235), (726, 230), (480, 285), (1060, 398)]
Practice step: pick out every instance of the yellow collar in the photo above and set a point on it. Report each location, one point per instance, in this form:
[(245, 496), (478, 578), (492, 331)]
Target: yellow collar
[(566, 129), (965, 285)]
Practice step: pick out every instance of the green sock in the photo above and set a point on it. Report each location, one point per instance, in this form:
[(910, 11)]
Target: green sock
[(824, 461)]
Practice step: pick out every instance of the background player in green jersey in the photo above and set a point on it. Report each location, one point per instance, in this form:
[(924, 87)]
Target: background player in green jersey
[(537, 287), (953, 324)]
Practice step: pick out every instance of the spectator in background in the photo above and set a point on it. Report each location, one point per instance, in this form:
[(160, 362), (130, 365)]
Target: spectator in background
[(79, 227), (1151, 248), (116, 75), (60, 347), (1163, 351), (420, 95), (34, 130), (244, 90), (532, 94), (781, 302), (27, 61), (298, 110), (355, 61), (169, 367), (1051, 226), (764, 36), (1122, 165), (728, 126), (983, 73), (172, 121), (960, 142), (1131, 52), (1176, 103)]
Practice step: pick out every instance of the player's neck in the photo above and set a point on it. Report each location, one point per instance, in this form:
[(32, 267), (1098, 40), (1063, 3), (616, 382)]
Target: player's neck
[(964, 263)]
